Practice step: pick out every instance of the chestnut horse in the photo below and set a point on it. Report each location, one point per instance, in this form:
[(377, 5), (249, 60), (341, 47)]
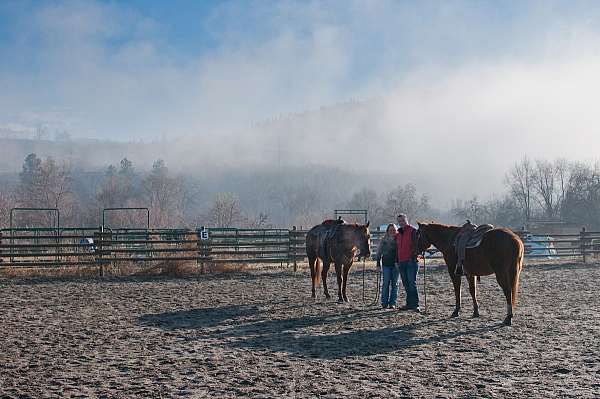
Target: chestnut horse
[(340, 246), (500, 252)]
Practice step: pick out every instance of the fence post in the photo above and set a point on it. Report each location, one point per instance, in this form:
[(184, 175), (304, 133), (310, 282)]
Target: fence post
[(200, 248), (203, 239), (293, 244), (583, 244), (98, 242)]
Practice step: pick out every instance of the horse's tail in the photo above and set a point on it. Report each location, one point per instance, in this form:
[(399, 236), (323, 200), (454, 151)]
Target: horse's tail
[(318, 267), (518, 264)]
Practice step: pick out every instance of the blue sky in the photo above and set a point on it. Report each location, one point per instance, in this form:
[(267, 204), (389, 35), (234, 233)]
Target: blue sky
[(146, 69)]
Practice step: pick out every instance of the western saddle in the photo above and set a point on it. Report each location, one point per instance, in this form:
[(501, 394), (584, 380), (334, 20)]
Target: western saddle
[(469, 236)]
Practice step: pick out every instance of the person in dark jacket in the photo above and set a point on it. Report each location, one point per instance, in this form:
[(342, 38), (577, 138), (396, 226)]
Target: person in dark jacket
[(407, 263), (386, 260)]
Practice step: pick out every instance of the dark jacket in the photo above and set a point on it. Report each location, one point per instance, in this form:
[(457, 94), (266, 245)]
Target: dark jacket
[(386, 252)]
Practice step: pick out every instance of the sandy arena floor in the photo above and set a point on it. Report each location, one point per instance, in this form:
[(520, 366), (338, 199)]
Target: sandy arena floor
[(258, 334)]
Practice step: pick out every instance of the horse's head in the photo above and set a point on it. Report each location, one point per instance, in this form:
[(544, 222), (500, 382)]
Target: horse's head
[(364, 240), (423, 242)]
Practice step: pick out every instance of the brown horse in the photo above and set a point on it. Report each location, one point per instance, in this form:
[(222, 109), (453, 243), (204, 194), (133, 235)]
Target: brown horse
[(500, 252), (339, 246)]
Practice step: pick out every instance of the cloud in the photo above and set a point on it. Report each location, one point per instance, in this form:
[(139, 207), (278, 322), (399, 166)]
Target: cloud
[(455, 89)]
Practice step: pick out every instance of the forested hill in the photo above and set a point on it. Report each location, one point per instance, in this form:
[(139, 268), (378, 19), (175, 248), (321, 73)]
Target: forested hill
[(81, 153)]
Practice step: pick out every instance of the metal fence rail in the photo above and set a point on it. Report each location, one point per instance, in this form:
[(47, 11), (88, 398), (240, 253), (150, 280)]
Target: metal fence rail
[(51, 247)]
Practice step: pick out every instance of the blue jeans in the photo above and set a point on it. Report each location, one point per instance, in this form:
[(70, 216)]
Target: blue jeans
[(408, 273), (389, 290)]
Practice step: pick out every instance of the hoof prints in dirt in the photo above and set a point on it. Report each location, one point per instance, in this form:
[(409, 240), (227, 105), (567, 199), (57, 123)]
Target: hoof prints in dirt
[(260, 335)]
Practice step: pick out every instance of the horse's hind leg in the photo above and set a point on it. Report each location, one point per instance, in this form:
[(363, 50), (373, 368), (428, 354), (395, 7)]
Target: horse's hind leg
[(505, 283), (456, 280), (340, 280), (324, 278), (345, 281), (473, 292), (509, 308), (313, 263)]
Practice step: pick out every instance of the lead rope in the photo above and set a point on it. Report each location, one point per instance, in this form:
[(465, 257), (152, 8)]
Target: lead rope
[(424, 282), (363, 291), (377, 286)]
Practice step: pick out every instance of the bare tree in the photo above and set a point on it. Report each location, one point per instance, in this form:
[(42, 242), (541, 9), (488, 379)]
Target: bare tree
[(7, 202), (520, 180), (165, 196), (499, 212), (368, 200), (46, 184), (562, 174), (471, 209), (110, 192), (302, 204), (544, 179), (404, 199), (126, 177), (259, 221), (582, 199), (225, 211)]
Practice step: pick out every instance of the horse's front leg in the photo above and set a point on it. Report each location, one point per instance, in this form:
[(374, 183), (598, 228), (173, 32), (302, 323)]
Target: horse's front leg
[(473, 292), (345, 281), (324, 278), (340, 280), (456, 280)]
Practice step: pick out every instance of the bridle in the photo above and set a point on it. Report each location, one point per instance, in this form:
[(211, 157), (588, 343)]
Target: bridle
[(421, 233)]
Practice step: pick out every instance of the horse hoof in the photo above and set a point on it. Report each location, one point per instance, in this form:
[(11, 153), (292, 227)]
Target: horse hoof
[(346, 300), (454, 314), (475, 315), (327, 296), (340, 300), (507, 321)]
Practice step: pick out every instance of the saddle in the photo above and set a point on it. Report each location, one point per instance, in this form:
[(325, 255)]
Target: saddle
[(326, 233), (469, 236)]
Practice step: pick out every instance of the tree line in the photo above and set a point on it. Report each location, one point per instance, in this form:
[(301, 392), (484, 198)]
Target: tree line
[(556, 190)]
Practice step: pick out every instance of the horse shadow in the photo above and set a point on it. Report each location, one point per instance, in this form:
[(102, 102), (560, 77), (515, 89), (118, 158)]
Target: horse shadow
[(352, 342), (331, 336), (242, 320), (198, 318)]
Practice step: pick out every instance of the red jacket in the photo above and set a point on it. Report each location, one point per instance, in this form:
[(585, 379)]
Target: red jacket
[(404, 243)]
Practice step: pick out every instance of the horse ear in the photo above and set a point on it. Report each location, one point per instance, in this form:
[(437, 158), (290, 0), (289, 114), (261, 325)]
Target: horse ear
[(368, 223)]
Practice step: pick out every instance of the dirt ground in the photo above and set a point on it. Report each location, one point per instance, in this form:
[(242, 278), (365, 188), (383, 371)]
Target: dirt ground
[(258, 334)]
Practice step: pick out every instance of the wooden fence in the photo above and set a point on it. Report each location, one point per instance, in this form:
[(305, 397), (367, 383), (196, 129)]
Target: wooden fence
[(101, 247)]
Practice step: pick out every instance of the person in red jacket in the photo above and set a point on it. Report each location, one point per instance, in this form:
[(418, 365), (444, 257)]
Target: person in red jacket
[(407, 263)]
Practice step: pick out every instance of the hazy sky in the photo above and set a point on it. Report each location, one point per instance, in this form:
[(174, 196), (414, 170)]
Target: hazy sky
[(489, 79)]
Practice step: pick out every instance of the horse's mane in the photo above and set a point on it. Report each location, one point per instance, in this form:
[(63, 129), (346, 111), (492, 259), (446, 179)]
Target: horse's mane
[(441, 225), (446, 230), (353, 226)]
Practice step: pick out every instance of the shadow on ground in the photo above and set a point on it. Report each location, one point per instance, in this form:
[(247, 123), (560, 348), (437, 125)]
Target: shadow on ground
[(329, 336), (198, 318)]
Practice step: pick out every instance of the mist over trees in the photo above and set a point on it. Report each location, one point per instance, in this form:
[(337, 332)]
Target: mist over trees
[(549, 190)]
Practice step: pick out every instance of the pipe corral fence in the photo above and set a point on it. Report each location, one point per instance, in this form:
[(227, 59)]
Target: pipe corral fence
[(57, 246)]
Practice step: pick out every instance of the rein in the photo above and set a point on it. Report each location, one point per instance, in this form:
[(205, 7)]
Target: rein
[(424, 282)]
